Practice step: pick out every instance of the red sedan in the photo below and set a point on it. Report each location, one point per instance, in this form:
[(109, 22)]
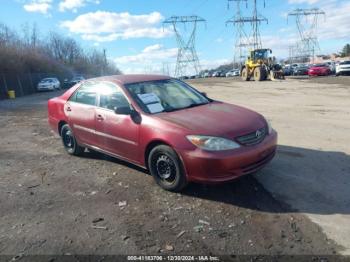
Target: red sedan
[(164, 125), (319, 70)]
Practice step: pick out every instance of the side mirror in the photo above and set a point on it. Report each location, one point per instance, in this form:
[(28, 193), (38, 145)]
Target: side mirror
[(123, 110)]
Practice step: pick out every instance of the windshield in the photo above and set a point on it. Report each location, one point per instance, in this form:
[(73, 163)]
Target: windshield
[(345, 63), (165, 96)]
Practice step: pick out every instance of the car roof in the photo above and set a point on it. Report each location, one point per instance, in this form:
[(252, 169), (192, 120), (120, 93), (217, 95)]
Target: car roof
[(129, 79)]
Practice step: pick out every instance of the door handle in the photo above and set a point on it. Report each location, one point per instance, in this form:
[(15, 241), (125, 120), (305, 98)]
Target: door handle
[(100, 118)]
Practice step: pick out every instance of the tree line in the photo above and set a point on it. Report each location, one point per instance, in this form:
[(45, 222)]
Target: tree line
[(26, 51)]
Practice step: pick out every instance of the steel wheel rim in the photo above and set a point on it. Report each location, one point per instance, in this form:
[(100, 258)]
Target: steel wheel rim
[(165, 168), (68, 139)]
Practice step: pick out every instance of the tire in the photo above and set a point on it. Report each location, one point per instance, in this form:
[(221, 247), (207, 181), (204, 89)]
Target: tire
[(259, 74), (69, 141), (245, 76), (166, 168)]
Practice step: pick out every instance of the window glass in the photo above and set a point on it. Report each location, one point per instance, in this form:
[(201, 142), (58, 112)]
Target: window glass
[(86, 94), (165, 95), (111, 96)]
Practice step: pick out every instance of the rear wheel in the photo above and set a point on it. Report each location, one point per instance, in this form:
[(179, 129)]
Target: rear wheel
[(166, 168), (69, 141), (245, 75)]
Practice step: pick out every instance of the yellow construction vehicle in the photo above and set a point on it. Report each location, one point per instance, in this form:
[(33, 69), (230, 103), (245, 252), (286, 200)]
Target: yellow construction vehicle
[(260, 65)]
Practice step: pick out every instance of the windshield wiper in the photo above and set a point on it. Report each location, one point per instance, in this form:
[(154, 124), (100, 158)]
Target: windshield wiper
[(189, 106)]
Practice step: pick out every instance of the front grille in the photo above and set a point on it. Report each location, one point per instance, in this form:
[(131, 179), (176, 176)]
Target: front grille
[(253, 138)]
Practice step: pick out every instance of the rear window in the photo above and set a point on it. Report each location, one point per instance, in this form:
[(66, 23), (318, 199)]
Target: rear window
[(345, 63)]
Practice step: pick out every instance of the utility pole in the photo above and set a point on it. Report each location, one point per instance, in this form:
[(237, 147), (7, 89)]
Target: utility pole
[(187, 55), (307, 22)]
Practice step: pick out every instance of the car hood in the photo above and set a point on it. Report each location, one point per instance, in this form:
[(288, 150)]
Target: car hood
[(215, 119)]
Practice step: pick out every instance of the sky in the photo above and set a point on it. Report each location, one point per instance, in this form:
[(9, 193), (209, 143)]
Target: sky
[(133, 34)]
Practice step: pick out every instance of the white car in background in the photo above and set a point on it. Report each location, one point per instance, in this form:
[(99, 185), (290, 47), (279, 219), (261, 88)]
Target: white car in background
[(342, 68), (234, 72), (49, 84)]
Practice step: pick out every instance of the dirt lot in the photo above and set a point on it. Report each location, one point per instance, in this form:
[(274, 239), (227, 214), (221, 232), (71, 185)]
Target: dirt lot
[(53, 203)]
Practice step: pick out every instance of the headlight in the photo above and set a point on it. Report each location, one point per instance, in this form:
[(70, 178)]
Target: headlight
[(269, 127), (211, 143)]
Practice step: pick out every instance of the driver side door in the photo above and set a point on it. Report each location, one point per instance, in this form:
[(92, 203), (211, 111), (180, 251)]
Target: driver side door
[(118, 134)]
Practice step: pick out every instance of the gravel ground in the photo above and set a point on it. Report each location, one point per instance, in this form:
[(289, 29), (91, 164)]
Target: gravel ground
[(53, 203)]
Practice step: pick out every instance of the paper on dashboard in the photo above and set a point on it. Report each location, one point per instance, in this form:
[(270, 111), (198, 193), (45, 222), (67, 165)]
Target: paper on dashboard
[(155, 108), (149, 98)]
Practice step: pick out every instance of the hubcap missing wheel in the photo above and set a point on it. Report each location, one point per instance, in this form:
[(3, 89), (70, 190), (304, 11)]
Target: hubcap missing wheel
[(165, 167)]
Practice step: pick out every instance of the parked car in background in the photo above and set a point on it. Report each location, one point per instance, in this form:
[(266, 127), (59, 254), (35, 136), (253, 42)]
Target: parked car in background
[(217, 74), (75, 80), (287, 70), (49, 84), (331, 66), (148, 120), (300, 70), (319, 70), (343, 68), (207, 74), (231, 73)]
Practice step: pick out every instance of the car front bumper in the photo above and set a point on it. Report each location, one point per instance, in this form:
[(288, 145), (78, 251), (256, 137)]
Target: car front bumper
[(217, 167)]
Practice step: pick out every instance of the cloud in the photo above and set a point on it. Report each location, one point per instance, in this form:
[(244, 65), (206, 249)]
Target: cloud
[(73, 5), (159, 60), (153, 53), (38, 6), (211, 64), (103, 26), (129, 33), (152, 59), (335, 26)]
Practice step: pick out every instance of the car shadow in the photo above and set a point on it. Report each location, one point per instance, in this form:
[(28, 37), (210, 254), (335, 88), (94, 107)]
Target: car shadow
[(310, 181), (100, 156), (297, 180)]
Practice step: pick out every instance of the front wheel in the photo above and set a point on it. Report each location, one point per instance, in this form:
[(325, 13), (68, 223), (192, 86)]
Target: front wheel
[(166, 168), (69, 141), (245, 75)]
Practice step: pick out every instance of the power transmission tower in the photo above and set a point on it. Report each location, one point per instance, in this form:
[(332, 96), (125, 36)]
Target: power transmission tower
[(307, 22), (255, 21), (241, 38), (187, 55)]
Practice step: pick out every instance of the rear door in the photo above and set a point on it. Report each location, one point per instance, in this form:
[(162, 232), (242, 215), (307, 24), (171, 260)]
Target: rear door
[(118, 134), (80, 109)]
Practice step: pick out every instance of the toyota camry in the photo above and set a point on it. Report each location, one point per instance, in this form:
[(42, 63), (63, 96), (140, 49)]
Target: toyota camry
[(164, 125)]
